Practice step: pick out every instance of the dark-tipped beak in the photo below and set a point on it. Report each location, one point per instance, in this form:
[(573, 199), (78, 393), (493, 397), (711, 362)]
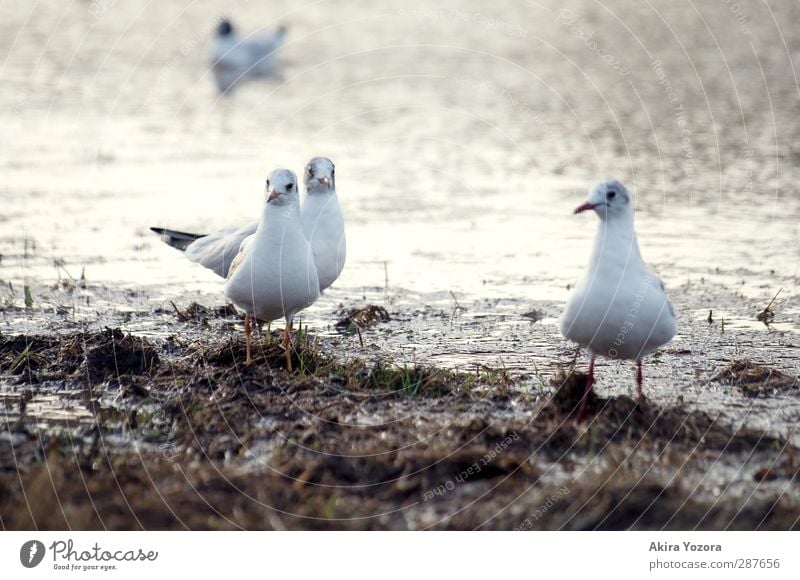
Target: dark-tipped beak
[(584, 207), (274, 194), (325, 181)]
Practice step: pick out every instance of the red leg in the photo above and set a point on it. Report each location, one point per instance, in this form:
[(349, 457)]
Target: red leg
[(586, 391), (247, 337), (639, 379)]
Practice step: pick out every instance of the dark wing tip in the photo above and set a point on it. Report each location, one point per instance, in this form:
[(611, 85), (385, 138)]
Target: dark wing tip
[(176, 239)]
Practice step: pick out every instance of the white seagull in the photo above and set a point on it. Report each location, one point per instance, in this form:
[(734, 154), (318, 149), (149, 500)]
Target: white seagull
[(323, 225), (274, 275), (234, 58), (619, 309), (323, 221)]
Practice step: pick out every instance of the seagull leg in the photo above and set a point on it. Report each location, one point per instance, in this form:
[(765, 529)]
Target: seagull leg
[(247, 337), (639, 381), (588, 389), (287, 344)]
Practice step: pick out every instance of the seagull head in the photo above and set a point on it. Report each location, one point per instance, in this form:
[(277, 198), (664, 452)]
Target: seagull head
[(320, 175), (282, 187), (225, 28), (608, 199)]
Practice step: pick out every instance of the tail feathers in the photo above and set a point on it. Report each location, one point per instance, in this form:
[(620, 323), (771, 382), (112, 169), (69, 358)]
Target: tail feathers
[(176, 239)]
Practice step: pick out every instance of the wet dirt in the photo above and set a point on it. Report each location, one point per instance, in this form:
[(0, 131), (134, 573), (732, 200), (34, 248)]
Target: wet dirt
[(175, 433)]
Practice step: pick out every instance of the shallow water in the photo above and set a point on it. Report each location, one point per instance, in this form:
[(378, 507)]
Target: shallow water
[(463, 136)]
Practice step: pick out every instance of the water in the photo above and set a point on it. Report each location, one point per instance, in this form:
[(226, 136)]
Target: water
[(463, 136)]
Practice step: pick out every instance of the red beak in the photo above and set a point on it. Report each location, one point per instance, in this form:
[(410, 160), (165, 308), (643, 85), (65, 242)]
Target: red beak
[(584, 207), (273, 195)]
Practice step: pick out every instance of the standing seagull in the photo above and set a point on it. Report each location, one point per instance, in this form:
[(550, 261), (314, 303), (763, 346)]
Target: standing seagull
[(323, 222), (619, 309), (323, 225), (234, 58), (274, 275)]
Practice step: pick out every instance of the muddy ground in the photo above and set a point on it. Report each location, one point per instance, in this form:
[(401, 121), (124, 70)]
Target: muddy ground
[(110, 430)]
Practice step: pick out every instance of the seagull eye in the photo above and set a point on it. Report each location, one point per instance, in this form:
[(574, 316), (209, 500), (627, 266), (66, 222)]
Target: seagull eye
[(611, 194), (289, 187), (267, 183)]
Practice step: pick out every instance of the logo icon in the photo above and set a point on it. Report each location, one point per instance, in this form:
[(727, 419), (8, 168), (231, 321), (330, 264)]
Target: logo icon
[(31, 553)]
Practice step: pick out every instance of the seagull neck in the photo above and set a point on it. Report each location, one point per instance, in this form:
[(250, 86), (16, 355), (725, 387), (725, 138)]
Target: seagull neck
[(615, 240), (275, 214), (318, 200), (318, 190)]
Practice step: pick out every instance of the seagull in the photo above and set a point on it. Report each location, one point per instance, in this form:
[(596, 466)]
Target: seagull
[(619, 309), (273, 274), (323, 224), (235, 58)]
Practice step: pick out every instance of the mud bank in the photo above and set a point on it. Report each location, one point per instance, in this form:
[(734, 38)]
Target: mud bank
[(105, 429)]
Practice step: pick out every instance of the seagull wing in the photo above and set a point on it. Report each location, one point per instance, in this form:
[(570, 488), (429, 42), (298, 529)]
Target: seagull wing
[(244, 247), (218, 251), (176, 239), (262, 51), (659, 283)]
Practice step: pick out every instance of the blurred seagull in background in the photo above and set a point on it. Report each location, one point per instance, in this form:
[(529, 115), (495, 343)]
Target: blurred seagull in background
[(322, 219), (619, 309), (234, 59)]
